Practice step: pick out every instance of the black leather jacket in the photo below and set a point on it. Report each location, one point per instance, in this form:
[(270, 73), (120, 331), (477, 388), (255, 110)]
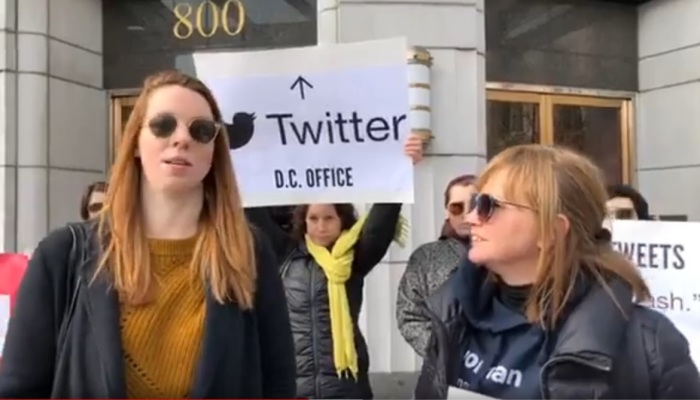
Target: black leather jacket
[(307, 300), (598, 353)]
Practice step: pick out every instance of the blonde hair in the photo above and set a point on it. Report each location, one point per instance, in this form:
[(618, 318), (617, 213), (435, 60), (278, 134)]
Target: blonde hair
[(224, 255), (556, 181)]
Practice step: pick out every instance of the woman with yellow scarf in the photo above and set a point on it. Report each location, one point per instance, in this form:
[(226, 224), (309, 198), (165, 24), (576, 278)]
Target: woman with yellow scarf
[(332, 251)]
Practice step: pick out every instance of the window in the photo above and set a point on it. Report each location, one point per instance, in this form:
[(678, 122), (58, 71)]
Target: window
[(597, 127), (571, 43)]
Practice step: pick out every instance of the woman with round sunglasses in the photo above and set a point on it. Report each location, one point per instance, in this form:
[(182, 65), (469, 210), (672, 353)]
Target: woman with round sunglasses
[(329, 253), (432, 263), (170, 294), (545, 308)]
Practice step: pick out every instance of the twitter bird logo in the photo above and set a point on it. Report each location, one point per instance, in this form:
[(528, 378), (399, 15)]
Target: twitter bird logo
[(241, 130)]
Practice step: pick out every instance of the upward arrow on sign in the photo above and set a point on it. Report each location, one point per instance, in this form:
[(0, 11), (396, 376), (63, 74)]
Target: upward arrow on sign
[(301, 83)]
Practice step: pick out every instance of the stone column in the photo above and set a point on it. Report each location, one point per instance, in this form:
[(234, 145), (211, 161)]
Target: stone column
[(54, 114), (668, 117), (668, 112), (453, 32), (79, 108), (8, 124)]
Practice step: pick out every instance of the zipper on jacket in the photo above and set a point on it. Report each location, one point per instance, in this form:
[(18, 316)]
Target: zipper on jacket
[(312, 307), (570, 358)]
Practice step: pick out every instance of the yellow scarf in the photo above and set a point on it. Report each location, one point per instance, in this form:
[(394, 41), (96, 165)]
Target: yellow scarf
[(337, 266)]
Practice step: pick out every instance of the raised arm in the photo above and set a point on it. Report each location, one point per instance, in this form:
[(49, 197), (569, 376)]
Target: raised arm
[(376, 236), (380, 227), (280, 241)]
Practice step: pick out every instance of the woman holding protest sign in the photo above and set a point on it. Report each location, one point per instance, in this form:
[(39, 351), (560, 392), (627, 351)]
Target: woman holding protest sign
[(170, 294), (545, 308), (328, 255)]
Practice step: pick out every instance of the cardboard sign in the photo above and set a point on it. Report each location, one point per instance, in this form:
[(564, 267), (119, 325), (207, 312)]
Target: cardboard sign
[(666, 254)]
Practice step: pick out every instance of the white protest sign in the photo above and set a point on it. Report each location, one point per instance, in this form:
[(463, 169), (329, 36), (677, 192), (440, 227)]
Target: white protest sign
[(316, 124), (4, 319), (455, 393), (668, 257)]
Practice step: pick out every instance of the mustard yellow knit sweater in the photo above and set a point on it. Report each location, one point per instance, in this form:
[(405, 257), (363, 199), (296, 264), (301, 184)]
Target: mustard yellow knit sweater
[(162, 340)]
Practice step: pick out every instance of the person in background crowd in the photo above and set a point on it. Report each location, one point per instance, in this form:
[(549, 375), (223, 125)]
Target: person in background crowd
[(323, 265), (544, 308), (432, 263), (624, 202), (176, 296), (91, 202)]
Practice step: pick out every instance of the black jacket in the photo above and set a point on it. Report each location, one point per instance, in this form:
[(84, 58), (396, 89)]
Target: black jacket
[(307, 298), (245, 354), (280, 239), (598, 354)]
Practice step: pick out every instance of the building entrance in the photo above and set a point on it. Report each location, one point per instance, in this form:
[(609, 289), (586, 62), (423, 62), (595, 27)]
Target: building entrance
[(596, 126), (121, 108)]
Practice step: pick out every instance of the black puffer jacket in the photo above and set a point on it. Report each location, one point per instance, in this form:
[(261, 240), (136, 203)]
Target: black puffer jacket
[(307, 298), (598, 353)]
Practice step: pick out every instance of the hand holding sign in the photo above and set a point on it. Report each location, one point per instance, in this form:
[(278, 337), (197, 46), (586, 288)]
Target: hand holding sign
[(414, 148)]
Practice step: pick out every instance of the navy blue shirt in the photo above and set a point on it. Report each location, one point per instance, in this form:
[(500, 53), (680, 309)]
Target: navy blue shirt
[(503, 353)]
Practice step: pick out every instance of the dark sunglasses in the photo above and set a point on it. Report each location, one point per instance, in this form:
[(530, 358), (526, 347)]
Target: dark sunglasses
[(94, 207), (485, 205), (202, 130), (458, 208)]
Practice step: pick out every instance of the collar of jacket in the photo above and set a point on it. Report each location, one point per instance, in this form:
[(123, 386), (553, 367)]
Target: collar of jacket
[(591, 335), (589, 340), (594, 331), (298, 252), (460, 248), (456, 242)]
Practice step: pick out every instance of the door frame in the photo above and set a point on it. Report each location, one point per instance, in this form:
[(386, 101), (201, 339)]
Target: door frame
[(547, 97), (116, 102)]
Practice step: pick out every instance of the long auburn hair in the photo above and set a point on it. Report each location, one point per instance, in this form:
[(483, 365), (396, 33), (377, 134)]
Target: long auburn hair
[(447, 230), (224, 254), (556, 181)]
